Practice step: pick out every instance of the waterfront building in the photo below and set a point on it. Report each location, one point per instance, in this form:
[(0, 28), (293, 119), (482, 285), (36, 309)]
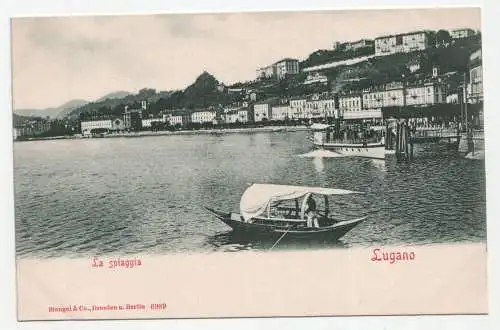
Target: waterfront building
[(320, 106), (428, 93), (298, 108), (461, 33), (133, 118), (420, 93), (476, 77), (401, 43), (350, 102), (231, 117), (201, 117), (383, 96), (32, 128), (88, 126), (235, 115), (243, 115), (373, 98), (112, 124), (280, 112), (147, 123), (393, 94), (280, 69), (176, 120), (261, 111)]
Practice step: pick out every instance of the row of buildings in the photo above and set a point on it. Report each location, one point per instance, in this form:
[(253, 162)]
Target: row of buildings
[(383, 46), (364, 104)]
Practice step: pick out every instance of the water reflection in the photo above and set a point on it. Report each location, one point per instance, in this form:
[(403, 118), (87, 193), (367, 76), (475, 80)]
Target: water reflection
[(379, 164), (121, 195)]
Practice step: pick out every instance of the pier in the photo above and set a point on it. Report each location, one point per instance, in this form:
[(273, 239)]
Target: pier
[(455, 125)]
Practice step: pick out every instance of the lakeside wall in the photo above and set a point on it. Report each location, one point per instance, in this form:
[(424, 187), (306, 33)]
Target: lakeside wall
[(182, 132)]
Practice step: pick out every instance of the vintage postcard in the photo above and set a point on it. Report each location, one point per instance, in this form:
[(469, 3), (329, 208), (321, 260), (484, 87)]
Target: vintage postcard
[(251, 164)]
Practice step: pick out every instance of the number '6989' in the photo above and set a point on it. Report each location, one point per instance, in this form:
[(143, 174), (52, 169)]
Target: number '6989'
[(161, 306)]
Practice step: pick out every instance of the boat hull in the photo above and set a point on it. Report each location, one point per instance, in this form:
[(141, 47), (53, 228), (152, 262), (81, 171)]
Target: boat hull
[(258, 230), (375, 151)]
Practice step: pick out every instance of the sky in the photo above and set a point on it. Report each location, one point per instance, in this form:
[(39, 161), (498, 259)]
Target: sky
[(57, 59)]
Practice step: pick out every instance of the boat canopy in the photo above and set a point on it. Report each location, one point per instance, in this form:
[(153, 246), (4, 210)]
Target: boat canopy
[(256, 198)]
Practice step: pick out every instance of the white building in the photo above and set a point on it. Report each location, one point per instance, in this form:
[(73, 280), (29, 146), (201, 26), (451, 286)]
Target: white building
[(320, 106), (350, 103), (476, 77), (393, 95), (147, 122), (243, 115), (298, 108), (390, 95), (236, 116), (316, 78), (266, 72), (385, 96), (461, 33), (176, 120), (401, 43), (231, 117), (373, 99), (279, 69), (426, 94), (201, 117), (280, 112), (89, 125), (287, 66), (262, 112)]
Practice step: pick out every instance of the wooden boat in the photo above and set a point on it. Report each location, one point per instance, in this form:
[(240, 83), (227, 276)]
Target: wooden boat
[(281, 210), (322, 140)]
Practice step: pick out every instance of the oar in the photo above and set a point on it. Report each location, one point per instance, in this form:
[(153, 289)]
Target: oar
[(279, 239)]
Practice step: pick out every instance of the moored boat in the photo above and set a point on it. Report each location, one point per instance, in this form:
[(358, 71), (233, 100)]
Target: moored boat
[(323, 139), (269, 210)]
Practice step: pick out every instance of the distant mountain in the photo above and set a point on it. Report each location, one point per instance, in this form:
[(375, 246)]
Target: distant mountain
[(114, 95), (57, 112), (65, 109)]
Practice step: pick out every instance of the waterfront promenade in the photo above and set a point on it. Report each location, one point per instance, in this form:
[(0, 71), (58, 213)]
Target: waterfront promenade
[(180, 132)]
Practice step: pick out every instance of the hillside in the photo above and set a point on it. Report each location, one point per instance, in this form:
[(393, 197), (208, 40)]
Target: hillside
[(202, 93), (114, 95), (323, 56), (18, 120), (205, 91)]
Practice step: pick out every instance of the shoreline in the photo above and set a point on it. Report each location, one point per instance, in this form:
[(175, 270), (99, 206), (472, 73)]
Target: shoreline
[(217, 131)]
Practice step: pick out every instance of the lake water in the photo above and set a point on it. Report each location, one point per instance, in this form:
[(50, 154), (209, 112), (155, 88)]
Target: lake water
[(146, 195)]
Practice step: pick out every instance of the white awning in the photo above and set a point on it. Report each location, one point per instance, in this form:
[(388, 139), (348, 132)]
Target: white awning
[(256, 198), (317, 126)]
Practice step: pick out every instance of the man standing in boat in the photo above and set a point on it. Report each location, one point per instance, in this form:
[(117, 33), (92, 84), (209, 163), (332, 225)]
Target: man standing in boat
[(310, 212)]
